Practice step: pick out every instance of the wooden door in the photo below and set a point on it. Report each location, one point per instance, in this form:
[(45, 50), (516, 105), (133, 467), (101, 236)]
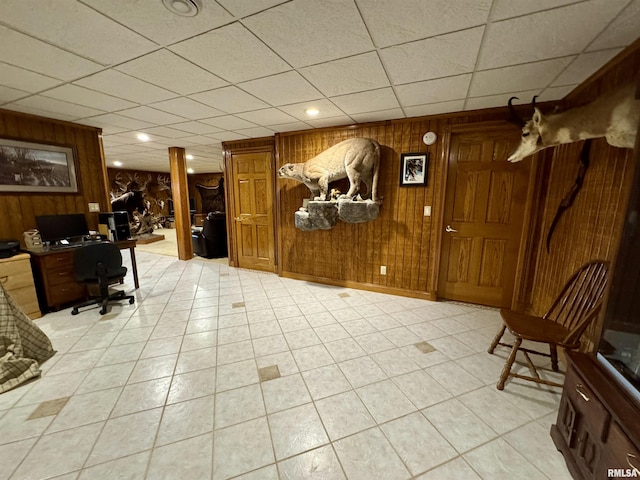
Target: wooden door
[(483, 217), (254, 210)]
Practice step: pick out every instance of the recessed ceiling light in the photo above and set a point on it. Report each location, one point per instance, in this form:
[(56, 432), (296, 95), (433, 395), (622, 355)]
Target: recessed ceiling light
[(189, 170), (312, 112), (184, 8), (143, 137), (189, 157), (117, 164)]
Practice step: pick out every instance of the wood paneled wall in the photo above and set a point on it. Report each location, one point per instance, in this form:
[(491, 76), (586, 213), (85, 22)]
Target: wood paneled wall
[(591, 228), (401, 238), (20, 209)]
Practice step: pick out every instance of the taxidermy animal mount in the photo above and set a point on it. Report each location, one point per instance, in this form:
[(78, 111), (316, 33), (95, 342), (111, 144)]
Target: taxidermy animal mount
[(357, 159), (613, 116)]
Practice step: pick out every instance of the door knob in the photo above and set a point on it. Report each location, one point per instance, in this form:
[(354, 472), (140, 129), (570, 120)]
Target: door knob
[(449, 229), (238, 219)]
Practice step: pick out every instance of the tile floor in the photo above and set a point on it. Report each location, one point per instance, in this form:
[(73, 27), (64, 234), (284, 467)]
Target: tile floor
[(221, 373)]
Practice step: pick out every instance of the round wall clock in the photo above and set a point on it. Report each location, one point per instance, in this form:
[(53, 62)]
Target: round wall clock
[(429, 138)]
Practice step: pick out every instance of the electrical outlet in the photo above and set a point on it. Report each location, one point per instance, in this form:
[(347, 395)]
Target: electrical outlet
[(427, 210), (383, 269), (94, 207)]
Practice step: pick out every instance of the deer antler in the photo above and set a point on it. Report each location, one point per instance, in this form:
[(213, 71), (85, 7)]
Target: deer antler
[(513, 115)]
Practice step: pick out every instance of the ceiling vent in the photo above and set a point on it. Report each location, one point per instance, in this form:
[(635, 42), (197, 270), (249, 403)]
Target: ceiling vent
[(184, 8)]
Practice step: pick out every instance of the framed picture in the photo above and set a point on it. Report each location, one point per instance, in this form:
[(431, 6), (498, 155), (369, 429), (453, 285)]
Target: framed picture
[(414, 169), (36, 167)]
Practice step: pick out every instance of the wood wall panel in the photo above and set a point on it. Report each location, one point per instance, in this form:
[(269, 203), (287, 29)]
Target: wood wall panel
[(591, 228), (89, 172)]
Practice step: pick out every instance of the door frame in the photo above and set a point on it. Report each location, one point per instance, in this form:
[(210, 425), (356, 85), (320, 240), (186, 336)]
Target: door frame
[(525, 248), (232, 235)]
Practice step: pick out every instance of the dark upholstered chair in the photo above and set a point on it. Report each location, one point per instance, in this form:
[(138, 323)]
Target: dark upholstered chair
[(211, 241), (562, 326), (100, 264)]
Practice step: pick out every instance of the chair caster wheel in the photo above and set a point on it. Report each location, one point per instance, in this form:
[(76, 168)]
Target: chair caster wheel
[(74, 311), (131, 300)]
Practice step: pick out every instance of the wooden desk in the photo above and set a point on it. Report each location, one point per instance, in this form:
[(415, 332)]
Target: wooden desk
[(54, 277)]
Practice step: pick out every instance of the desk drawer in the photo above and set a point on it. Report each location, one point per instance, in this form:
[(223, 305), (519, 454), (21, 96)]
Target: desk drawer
[(66, 293), (60, 275), (58, 259)]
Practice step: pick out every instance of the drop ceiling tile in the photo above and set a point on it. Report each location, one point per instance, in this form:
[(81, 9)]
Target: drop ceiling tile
[(567, 30), (89, 98), (166, 132), (42, 58), (196, 127), (228, 122), (433, 91), (57, 106), (8, 94), (231, 52), (151, 115), (167, 70), (282, 89), (500, 100), (331, 122), (267, 116), (75, 28), (154, 21), (242, 8), (106, 129), (391, 23), (228, 136), (230, 100), (113, 119), (16, 77), (257, 132), (529, 76), (436, 57), (120, 85), (199, 139), (187, 108), (434, 108), (556, 93), (306, 32), (370, 101), (39, 112), (378, 116), (622, 31), (326, 108), (291, 127), (347, 75), (508, 8), (584, 66)]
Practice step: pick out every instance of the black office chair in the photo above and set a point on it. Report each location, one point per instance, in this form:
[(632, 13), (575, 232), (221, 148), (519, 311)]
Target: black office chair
[(100, 264)]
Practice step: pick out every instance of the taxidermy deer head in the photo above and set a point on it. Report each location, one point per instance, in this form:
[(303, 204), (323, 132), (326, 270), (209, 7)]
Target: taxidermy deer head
[(613, 116)]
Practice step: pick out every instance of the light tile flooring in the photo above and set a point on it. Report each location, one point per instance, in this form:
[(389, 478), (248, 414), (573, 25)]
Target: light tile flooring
[(169, 388)]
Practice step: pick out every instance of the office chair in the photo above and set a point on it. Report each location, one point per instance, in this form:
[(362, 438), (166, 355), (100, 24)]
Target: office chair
[(100, 264)]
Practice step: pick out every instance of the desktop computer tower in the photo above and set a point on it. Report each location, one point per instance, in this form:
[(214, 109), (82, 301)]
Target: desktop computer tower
[(115, 225)]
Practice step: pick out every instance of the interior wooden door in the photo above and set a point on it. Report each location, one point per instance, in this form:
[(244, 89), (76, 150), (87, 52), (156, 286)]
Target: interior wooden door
[(254, 209), (483, 217)]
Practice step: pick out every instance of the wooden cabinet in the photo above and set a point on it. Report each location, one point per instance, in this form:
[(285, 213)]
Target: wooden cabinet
[(598, 425), (55, 280), (17, 280)]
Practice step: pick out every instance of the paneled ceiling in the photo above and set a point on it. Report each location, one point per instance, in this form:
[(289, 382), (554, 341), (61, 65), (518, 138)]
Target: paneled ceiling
[(251, 68)]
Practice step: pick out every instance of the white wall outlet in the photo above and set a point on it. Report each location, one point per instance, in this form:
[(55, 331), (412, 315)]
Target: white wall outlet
[(427, 210), (94, 207), (383, 269)]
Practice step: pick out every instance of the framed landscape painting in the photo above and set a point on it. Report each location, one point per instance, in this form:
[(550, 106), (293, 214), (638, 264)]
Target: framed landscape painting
[(36, 167)]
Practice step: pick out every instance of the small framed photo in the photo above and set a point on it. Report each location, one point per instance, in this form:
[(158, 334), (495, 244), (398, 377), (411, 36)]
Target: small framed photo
[(414, 169), (36, 167)]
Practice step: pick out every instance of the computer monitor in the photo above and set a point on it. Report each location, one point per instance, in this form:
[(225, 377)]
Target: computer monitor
[(54, 228)]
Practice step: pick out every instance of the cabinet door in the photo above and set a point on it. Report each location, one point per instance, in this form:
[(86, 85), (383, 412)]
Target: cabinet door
[(621, 453)]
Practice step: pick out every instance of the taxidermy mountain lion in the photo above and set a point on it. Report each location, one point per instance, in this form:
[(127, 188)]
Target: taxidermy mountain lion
[(357, 159)]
